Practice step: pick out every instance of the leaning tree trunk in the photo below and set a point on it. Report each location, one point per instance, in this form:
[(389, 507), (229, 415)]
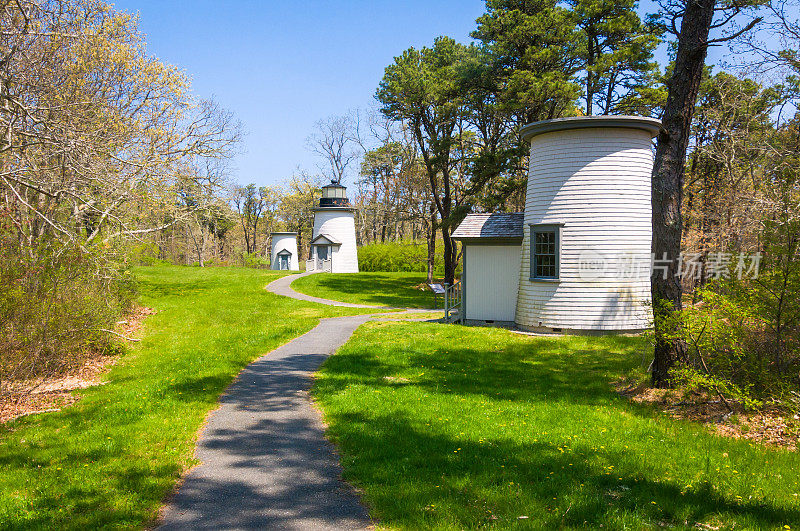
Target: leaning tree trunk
[(668, 170)]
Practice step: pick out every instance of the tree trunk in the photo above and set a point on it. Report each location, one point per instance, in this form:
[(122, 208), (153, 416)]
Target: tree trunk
[(254, 246), (199, 246), (188, 251), (432, 244), (447, 241), (589, 74), (667, 187), (450, 257)]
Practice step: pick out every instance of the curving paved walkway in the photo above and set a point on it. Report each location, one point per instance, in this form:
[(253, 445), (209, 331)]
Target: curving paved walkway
[(282, 286), (265, 461)]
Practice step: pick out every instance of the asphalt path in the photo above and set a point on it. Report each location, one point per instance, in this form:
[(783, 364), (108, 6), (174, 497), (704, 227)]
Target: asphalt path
[(282, 286), (265, 461)]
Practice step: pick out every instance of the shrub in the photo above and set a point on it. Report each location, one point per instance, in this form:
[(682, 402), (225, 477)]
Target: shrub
[(145, 254), (56, 308), (401, 256), (253, 260), (732, 342)]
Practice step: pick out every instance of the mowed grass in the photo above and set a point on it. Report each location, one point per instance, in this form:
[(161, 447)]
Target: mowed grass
[(109, 460), (397, 290), (451, 427)]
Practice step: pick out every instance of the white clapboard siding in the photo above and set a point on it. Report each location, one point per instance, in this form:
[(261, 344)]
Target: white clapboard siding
[(340, 225), (491, 276), (284, 241), (596, 182)]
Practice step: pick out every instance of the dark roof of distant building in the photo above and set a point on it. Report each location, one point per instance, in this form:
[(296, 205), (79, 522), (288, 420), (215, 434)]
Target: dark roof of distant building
[(328, 239), (497, 226)]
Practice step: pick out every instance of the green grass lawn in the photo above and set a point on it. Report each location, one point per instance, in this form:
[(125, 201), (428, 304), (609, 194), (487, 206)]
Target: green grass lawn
[(109, 460), (440, 425), (380, 289), (450, 427)]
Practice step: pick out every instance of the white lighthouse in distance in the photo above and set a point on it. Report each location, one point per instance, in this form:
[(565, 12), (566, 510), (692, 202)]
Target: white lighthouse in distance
[(333, 243), (284, 251)]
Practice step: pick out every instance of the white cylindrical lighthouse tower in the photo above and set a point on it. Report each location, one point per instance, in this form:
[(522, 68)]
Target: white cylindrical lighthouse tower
[(333, 244), (284, 251), (585, 262)]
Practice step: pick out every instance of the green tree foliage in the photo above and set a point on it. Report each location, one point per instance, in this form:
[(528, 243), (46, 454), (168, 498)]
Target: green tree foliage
[(616, 51), (256, 207), (524, 72), (392, 192), (534, 54), (730, 131), (743, 196), (496, 153), (778, 293), (538, 61), (393, 201), (543, 56), (422, 88)]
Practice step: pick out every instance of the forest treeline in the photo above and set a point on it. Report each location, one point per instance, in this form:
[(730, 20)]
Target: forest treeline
[(108, 159)]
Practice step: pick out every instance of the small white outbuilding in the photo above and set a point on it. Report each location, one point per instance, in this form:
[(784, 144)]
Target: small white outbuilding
[(284, 251), (490, 274), (333, 242), (583, 257)]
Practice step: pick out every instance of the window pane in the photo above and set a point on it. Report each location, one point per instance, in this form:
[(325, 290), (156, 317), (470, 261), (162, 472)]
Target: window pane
[(545, 254)]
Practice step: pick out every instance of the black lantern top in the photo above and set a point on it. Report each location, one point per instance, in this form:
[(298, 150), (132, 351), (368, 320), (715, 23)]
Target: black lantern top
[(334, 195)]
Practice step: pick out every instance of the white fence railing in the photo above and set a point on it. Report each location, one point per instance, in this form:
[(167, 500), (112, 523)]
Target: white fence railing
[(453, 299), (318, 266)]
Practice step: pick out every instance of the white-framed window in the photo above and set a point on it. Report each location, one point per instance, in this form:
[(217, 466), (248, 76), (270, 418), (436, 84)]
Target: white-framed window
[(545, 251)]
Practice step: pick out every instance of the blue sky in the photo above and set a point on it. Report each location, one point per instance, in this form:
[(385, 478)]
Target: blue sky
[(281, 66)]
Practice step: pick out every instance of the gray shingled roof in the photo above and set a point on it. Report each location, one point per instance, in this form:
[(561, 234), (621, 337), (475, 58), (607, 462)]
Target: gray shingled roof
[(328, 237), (499, 225)]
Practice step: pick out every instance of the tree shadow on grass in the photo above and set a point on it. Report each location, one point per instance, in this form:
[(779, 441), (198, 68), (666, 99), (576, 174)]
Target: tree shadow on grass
[(395, 290), (159, 288), (81, 487), (203, 389), (420, 479), (536, 370), (91, 508), (419, 475)]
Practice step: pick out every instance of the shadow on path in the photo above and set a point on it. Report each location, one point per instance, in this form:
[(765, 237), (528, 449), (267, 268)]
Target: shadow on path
[(265, 460)]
